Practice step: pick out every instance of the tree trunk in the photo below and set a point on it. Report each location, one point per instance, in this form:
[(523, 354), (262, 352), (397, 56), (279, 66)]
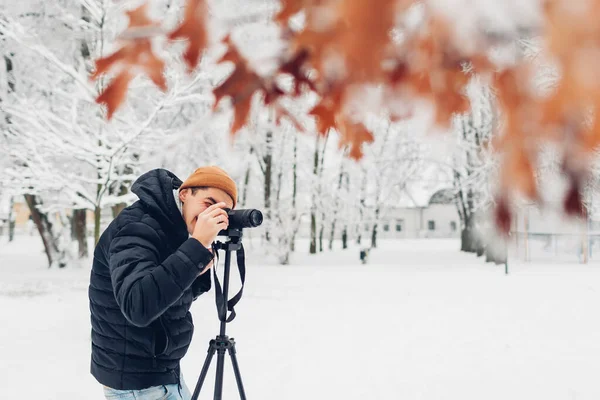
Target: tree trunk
[(11, 81), (332, 234), (479, 247), (46, 232), (337, 205), (345, 238), (313, 233), (468, 236), (375, 227), (361, 210), (11, 220), (374, 236), (379, 190), (122, 187), (97, 220), (268, 160), (117, 208), (313, 210), (78, 222), (321, 231), (294, 192)]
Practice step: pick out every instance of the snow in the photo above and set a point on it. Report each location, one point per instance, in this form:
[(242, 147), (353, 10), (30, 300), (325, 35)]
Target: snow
[(420, 321)]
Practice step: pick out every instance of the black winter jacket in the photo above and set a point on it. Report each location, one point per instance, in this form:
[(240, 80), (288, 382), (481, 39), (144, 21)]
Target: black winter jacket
[(143, 281)]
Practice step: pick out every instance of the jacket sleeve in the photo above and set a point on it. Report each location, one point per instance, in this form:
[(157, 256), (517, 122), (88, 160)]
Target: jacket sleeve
[(202, 284), (144, 288)]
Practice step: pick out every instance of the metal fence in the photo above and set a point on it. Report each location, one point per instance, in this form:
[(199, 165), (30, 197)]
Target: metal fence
[(581, 247)]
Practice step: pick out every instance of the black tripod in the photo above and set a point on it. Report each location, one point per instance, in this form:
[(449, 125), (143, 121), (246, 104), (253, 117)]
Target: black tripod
[(223, 343)]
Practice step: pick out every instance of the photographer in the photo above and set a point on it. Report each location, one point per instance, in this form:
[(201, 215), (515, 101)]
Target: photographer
[(149, 266)]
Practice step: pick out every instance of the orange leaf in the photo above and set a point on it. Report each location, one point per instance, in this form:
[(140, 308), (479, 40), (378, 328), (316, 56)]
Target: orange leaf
[(139, 17), (357, 37), (514, 101), (192, 28), (114, 95), (272, 94), (288, 9), (315, 43), (366, 35), (354, 135), (503, 216), (135, 53), (232, 54), (447, 104), (241, 113), (573, 202), (399, 73), (325, 116), (327, 110), (154, 68), (518, 172), (241, 85), (104, 64), (294, 68)]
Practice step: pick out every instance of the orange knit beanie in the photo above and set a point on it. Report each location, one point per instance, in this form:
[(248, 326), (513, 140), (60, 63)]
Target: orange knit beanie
[(214, 177)]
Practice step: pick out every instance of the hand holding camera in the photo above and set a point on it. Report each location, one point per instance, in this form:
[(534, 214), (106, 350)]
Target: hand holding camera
[(209, 223)]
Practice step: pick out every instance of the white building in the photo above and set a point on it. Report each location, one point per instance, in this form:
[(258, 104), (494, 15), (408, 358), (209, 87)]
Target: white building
[(434, 216), (418, 215)]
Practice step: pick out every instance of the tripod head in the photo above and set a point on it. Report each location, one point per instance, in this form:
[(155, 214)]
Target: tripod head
[(235, 239)]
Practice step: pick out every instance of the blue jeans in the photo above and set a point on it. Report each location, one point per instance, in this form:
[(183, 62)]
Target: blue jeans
[(162, 392)]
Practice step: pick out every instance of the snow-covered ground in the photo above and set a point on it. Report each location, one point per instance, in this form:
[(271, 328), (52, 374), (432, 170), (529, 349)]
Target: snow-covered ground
[(420, 321)]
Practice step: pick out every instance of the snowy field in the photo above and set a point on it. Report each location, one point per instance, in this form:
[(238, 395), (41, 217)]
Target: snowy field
[(421, 321)]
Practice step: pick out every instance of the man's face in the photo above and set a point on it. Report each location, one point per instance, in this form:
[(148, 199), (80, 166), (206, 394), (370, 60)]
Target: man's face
[(195, 204)]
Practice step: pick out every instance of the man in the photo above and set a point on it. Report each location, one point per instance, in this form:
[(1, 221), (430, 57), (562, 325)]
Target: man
[(149, 265)]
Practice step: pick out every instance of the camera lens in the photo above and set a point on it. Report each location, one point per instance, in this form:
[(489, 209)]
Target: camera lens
[(239, 219), (256, 218)]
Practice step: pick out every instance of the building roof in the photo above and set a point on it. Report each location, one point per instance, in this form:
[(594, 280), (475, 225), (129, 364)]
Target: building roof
[(443, 196)]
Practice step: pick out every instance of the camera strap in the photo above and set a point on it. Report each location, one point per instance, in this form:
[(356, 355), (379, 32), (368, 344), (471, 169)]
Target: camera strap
[(222, 307)]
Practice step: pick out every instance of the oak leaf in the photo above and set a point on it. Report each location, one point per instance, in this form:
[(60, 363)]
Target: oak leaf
[(364, 36), (114, 95), (241, 86), (294, 67), (192, 28), (573, 202), (288, 9), (503, 216), (518, 172), (135, 54), (325, 118), (354, 134)]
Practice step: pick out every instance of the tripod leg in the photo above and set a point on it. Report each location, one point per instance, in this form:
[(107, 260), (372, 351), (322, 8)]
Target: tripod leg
[(219, 377), (209, 356), (236, 370)]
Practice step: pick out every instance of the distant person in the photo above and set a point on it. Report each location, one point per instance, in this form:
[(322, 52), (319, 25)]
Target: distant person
[(364, 255), (149, 265)]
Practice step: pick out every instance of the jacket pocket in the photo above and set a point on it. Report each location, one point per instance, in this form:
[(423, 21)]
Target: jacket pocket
[(160, 339)]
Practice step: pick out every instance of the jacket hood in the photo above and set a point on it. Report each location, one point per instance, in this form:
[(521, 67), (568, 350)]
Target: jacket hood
[(155, 191)]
